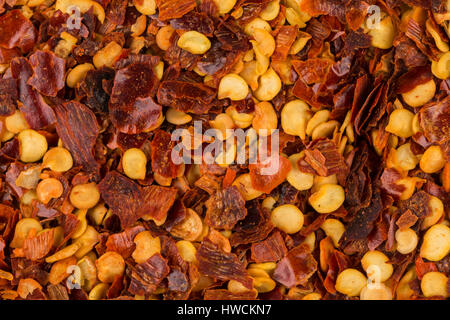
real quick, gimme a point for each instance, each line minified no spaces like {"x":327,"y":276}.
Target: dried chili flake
{"x":296,"y":268}
{"x":38,"y":246}
{"x":267,"y":175}
{"x":221,"y":265}
{"x":285,"y":39}
{"x":162,"y":146}
{"x":149,"y":274}
{"x":78,"y":129}
{"x":17,"y":31}
{"x":172,"y":9}
{"x":122,"y":242}
{"x":48,"y":73}
{"x":270,"y":250}
{"x":225,"y":208}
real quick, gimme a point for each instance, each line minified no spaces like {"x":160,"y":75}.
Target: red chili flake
{"x":221,"y":265}
{"x":418,"y":204}
{"x":285,"y":39}
{"x":132,"y":108}
{"x":208,"y":183}
{"x":48,"y":73}
{"x":225,"y":208}
{"x":319,"y":7}
{"x":325,"y":158}
{"x":388,"y":183}
{"x":263,"y":176}
{"x":172,"y":9}
{"x":122,"y":242}
{"x":37,"y":113}
{"x":78,"y":129}
{"x":38,"y":246}
{"x":435,"y":121}
{"x":162,"y":163}
{"x":232,"y":37}
{"x":186,"y":96}
{"x":255,"y":227}
{"x":8,"y":217}
{"x":230,"y":175}
{"x":146,"y":276}
{"x":116,"y":287}
{"x":423,"y":267}
{"x":380,"y":233}
{"x":17,"y":31}
{"x":406,"y":220}
{"x":130,"y":202}
{"x":222,"y":294}
{"x":296,"y":268}
{"x":270,"y":250}
{"x":6,"y":55}
{"x":199,"y":22}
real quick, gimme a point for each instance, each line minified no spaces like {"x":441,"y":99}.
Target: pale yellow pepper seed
{"x":163,"y":37}
{"x":194,"y":42}
{"x":48,"y":189}
{"x":146,"y":7}
{"x":328,"y":198}
{"x":377,"y":292}
{"x":77,"y":74}
{"x":176,"y":117}
{"x":298,"y":179}
{"x":436,"y":243}
{"x":269,"y":86}
{"x":407,"y":240}
{"x":334,"y":229}
{"x":23,"y":227}
{"x":350,"y":282}
{"x":224,"y":6}
{"x":109,"y":266}
{"x":33,"y":145}
{"x":432,"y":160}
{"x":107,"y":56}
{"x":187,"y":250}
{"x":146,"y":246}
{"x":232,"y":86}
{"x":400,"y":123}
{"x":382,"y":33}
{"x":134,"y":163}
{"x":58,"y":159}
{"x":437,"y":211}
{"x":376,"y":265}
{"x":287,"y":218}
{"x":434,"y":284}
{"x":421,"y":94}
{"x":84,"y":196}
{"x":16,"y":122}
{"x":294,"y":118}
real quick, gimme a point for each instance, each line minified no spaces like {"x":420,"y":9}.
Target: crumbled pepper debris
{"x":98,"y":201}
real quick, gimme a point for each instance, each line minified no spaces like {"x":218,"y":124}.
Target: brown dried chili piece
{"x":196,"y":21}
{"x":418,"y":204}
{"x":6,"y":55}
{"x":172,"y":9}
{"x":96,"y":97}
{"x":255,"y":227}
{"x":296,"y":268}
{"x":232,"y":37}
{"x":16,"y":31}
{"x":185,"y":96}
{"x":48,"y":73}
{"x":57,"y":292}
{"x":423,"y":267}
{"x":208,"y":183}
{"x":406,"y":220}
{"x":270,"y":250}
{"x":225,"y":208}
{"x":116,"y":287}
{"x":36,"y":111}
{"x":325,"y":158}
{"x":78,"y":129}
{"x":130,"y":202}
{"x":215,"y":263}
{"x":132,"y":108}
{"x":388,"y":183}
{"x":178,"y":281}
{"x":9,"y":95}
{"x":363,"y":223}
{"x":222,"y":294}
{"x":8,"y":218}
{"x":435,"y":121}
{"x":380,"y":232}
{"x":149,"y":274}
{"x":122,"y":242}
{"x":267,"y":175}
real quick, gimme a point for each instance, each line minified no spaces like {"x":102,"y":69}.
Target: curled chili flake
{"x":186,"y":96}
{"x":296,"y":268}
{"x":78,"y":129}
{"x":215,"y":263}
{"x":270,"y":250}
{"x":16,"y":31}
{"x":36,"y":111}
{"x":39,"y":246}
{"x":172,"y":9}
{"x":149,"y":274}
{"x":48,"y":73}
{"x":225,"y":208}
{"x":122,"y":242}
{"x":129,"y":201}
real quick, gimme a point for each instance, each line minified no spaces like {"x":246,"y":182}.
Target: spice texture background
{"x":94,"y":205}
